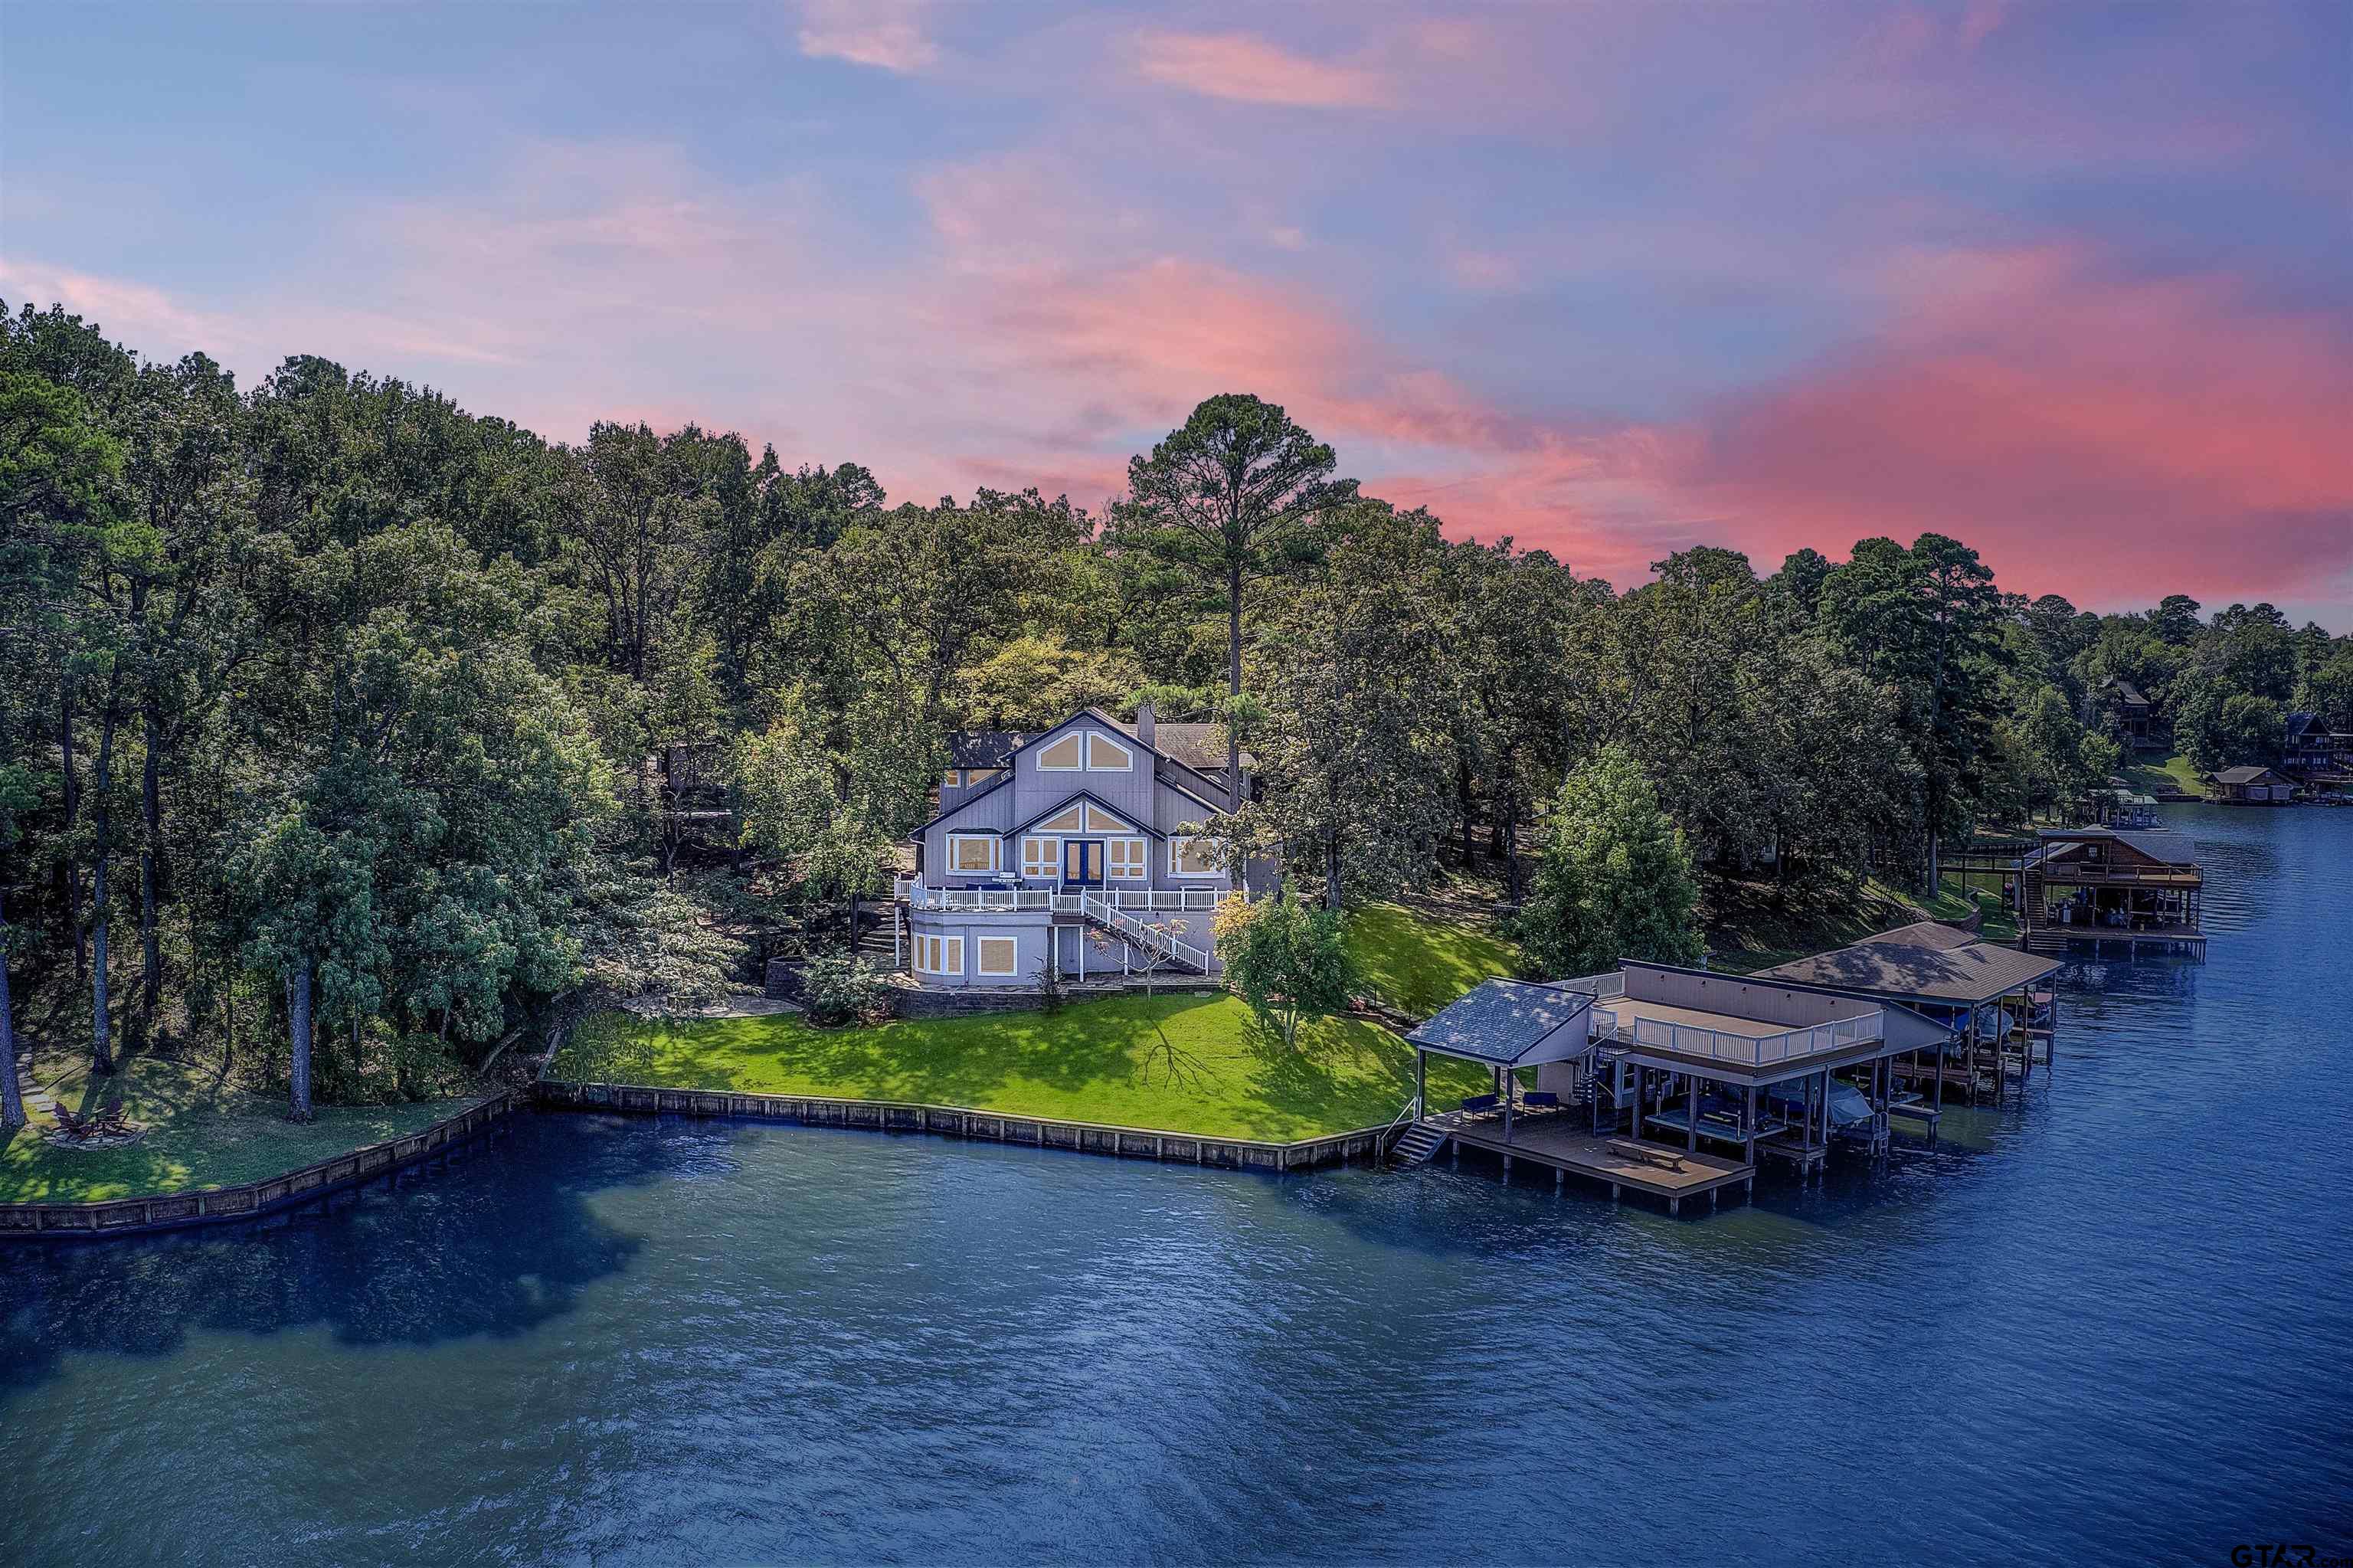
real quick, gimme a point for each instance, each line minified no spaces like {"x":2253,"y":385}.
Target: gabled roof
{"x":2128,"y":691}
{"x":1933,"y":933}
{"x":2168,"y":849}
{"x":2247,"y":775}
{"x":1505,"y":1022}
{"x":1087,"y":797}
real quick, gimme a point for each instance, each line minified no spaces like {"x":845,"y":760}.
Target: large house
{"x":1080,"y":849}
{"x":2311,"y":751}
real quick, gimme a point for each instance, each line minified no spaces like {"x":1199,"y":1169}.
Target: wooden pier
{"x":1553,"y":1140}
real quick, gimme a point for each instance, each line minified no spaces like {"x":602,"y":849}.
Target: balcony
{"x":1715,"y":1037}
{"x":915,"y":895}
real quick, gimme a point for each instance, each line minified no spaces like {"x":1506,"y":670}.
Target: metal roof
{"x":1503,"y":1020}
{"x":2245,"y":775}
{"x":2166,"y":848}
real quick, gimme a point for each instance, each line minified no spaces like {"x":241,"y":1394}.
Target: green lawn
{"x":2174,"y":773}
{"x":1180,"y":1064}
{"x":1417,"y":963}
{"x":199,"y":1133}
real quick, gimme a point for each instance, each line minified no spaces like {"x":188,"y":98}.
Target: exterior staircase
{"x":1162,"y":944}
{"x":1417,"y":1146}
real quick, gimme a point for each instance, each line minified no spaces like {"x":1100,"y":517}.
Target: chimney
{"x":1145,"y":723}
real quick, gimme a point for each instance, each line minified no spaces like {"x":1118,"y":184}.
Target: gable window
{"x":1067,"y":755}
{"x":976,"y":776}
{"x":997,"y":955}
{"x":1070,"y":821}
{"x":972,"y":855}
{"x":939,"y":954}
{"x":1042,"y":859}
{"x":1105,"y":755}
{"x":1104,"y":823}
{"x":1192,"y":857}
{"x":1126,"y":859}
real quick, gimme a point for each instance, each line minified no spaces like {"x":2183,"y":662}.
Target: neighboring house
{"x":2252,"y":787}
{"x":2134,"y":712}
{"x":1078,"y":848}
{"x":2312,"y":750}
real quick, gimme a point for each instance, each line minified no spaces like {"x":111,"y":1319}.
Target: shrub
{"x":1286,"y":959}
{"x":839,"y":989}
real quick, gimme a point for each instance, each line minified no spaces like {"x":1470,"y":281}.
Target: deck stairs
{"x":1417,"y":1146}
{"x":1154,"y":939}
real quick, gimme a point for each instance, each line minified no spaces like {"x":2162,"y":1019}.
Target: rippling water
{"x":2112,"y":1323}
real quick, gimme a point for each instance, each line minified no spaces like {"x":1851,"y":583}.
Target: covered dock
{"x":1997,"y":1001}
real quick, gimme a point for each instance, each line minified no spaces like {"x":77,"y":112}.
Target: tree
{"x":1355,"y":749}
{"x":1287,"y":959}
{"x":16,"y":795}
{"x":1616,"y":880}
{"x":1928,"y":621}
{"x":1228,"y":497}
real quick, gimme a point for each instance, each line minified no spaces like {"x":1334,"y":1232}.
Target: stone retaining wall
{"x":955,"y":1121}
{"x":219,"y":1206}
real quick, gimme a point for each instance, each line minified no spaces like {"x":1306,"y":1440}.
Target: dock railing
{"x":1740,"y":1049}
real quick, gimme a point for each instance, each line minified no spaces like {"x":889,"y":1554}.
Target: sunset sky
{"x":2069,"y":281}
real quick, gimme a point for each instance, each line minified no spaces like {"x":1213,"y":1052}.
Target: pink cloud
{"x":2110,"y":437}
{"x":1249,"y":70}
{"x":888,"y":35}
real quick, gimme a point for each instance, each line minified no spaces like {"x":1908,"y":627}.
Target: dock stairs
{"x":1417,"y":1146}
{"x":1166,"y":945}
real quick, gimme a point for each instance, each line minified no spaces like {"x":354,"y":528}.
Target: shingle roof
{"x":1200,"y":747}
{"x":2168,"y":849}
{"x":1924,"y":934}
{"x":2128,"y":691}
{"x":985,"y":747}
{"x":2242,"y":775}
{"x":1501,"y":1020}
{"x":1970,"y":972}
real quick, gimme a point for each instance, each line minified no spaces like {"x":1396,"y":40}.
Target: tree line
{"x":339,"y":727}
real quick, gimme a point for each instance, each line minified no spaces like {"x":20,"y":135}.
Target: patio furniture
{"x":1480,"y":1102}
{"x":1539,"y":1099}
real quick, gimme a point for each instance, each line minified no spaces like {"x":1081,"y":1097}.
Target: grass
{"x":1178,"y":1064}
{"x":2174,"y":773}
{"x":1418,"y":962}
{"x":200,"y":1133}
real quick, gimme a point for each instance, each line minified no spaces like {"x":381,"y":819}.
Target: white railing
{"x":1743,"y":1050}
{"x":1152,"y":939}
{"x":1612,"y":984}
{"x":1151,"y":901}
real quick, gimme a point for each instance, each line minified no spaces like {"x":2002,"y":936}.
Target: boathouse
{"x":2106,"y":887}
{"x":1997,"y":1001}
{"x":2252,"y":787}
{"x":1677,"y":1084}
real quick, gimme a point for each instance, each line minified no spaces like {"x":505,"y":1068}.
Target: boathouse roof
{"x":1506,"y":1022}
{"x":2168,"y":849}
{"x":1967,"y":972}
{"x":2248,"y":775}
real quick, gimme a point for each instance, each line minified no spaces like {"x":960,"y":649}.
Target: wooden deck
{"x":1560,"y":1141}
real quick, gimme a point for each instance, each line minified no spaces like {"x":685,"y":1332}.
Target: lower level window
{"x":939,"y":954}
{"x":999,"y":955}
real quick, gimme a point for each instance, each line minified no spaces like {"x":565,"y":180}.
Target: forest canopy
{"x":340,"y":720}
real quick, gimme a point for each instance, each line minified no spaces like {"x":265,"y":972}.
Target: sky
{"x":2068,"y":281}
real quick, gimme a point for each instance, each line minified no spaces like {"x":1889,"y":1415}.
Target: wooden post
{"x":1691,"y":1116}
{"x":1420,"y":1082}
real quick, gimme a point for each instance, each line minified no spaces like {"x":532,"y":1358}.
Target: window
{"x":978,"y":776}
{"x":1103,"y":822}
{"x":1042,"y":859}
{"x":972,"y":853}
{"x":1192,"y":857}
{"x":999,"y":955}
{"x":1063,"y":822}
{"x":1105,"y":755}
{"x":939,"y":954}
{"x":1065,"y":755}
{"x":950,"y":779}
{"x":1127,"y":860}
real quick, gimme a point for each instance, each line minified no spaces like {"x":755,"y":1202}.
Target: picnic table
{"x":1649,"y":1153}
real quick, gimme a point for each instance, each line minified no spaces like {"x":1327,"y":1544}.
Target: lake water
{"x":2113,"y":1323}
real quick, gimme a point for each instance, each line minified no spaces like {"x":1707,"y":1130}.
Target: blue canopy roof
{"x":1510,"y":1023}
